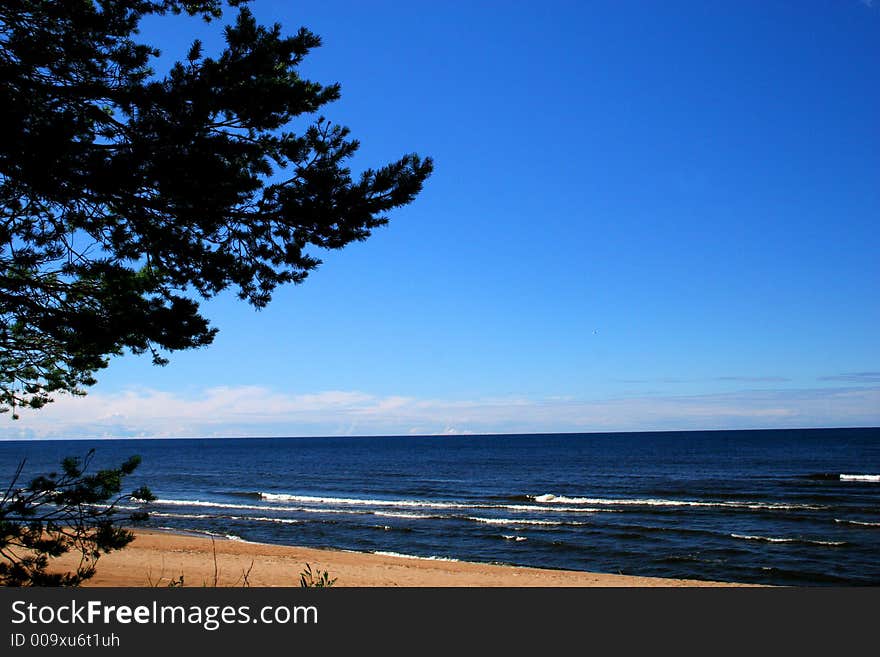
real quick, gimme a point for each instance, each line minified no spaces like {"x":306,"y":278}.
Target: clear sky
{"x":644,"y":215}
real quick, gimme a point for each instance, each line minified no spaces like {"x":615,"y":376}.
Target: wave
{"x":219,"y":505}
{"x":872,"y":478}
{"x":805,"y":541}
{"x":204,"y":532}
{"x":203,"y":516}
{"x":514,"y":521}
{"x":522,"y":521}
{"x":549,"y":498}
{"x":250,"y":507}
{"x":411,"y":556}
{"x":187,"y":516}
{"x":861,"y":523}
{"x":511,"y":537}
{"x":550,"y":509}
{"x":834,"y":476}
{"x":408,"y":516}
{"x":383,"y":514}
{"x":423,"y":504}
{"x":311,"y":499}
{"x":280,"y":521}
{"x":390,"y":514}
{"x":547,"y":503}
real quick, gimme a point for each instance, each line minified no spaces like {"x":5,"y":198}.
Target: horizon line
{"x":442,"y":435}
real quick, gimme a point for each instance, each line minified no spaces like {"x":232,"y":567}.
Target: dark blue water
{"x":749,"y":506}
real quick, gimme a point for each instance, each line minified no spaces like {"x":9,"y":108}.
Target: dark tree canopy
{"x":125,"y":197}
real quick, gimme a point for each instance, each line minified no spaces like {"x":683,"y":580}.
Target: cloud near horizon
{"x":754,"y":379}
{"x":257,"y":411}
{"x":854,"y":377}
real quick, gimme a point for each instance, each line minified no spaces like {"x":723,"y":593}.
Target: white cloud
{"x":257,"y":411}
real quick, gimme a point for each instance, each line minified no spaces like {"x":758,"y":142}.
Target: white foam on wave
{"x":204,"y":532}
{"x":423,"y":504}
{"x":872,"y":478}
{"x":201,"y":516}
{"x":774,"y":506}
{"x":770,"y":539}
{"x":767,"y":539}
{"x":521,"y":521}
{"x":280,"y":521}
{"x":862,"y":523}
{"x":311,"y":499}
{"x":187,"y":516}
{"x":550,"y":509}
{"x":250,"y":507}
{"x":511,"y":537}
{"x":219,"y":505}
{"x":410,"y":556}
{"x":409,"y":516}
{"x":381,"y":513}
{"x":298,"y":509}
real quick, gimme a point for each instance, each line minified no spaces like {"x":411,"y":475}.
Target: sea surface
{"x":791,"y":507}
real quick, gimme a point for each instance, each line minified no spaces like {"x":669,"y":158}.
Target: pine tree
{"x":127,"y":197}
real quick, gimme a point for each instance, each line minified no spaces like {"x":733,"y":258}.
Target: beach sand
{"x":155,"y":558}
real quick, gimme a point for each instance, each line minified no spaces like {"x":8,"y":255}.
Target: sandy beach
{"x":155,"y":558}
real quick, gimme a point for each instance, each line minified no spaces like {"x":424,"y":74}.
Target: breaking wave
{"x":201,"y":516}
{"x":421,"y":504}
{"x":385,"y":553}
{"x":804,"y":541}
{"x":549,"y":498}
{"x":834,"y":476}
{"x":250,"y":507}
{"x":871,"y":478}
{"x":522,"y":521}
{"x":861,"y":523}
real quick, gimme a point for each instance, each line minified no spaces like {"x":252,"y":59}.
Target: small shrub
{"x":315,"y":579}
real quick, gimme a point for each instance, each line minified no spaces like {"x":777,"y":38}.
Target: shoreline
{"x":157,"y":557}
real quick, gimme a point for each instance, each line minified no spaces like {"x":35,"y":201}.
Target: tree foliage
{"x":126,"y":196}
{"x":61,"y":512}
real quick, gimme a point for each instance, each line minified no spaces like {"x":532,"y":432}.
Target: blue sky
{"x":650,"y":215}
